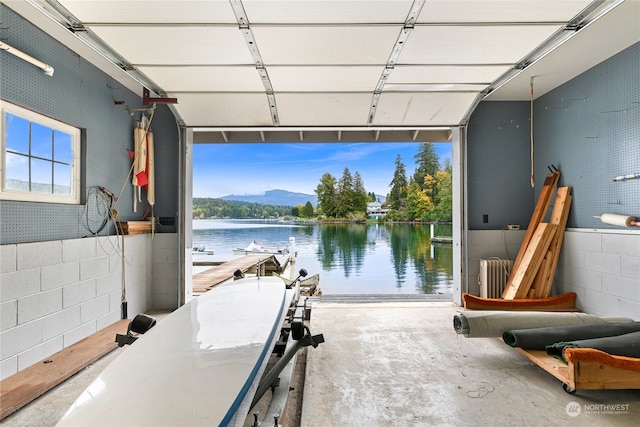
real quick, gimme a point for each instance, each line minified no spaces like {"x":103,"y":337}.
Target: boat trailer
{"x":294,"y":335}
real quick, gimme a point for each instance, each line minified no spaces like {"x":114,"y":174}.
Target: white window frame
{"x":32,"y":196}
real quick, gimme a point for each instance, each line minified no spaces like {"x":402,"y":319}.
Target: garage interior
{"x":474,"y":73}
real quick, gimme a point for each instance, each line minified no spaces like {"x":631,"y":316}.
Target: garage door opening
{"x":233,"y":182}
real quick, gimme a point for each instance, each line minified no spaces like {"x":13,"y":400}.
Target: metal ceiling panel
{"x":160,"y":45}
{"x":317,"y":45}
{"x":205,"y":78}
{"x":223,"y":109}
{"x":327,"y":11}
{"x":521,"y":11}
{"x":598,"y":41}
{"x":323,"y":109}
{"x":151,"y":11}
{"x":325,"y":79}
{"x":422,"y":109}
{"x":482,"y":45}
{"x":446,"y":73}
{"x":433,"y":87}
{"x":340,"y":64}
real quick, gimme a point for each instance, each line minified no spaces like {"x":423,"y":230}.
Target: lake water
{"x":350,"y":258}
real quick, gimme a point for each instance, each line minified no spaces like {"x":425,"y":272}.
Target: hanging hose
{"x":531,"y":132}
{"x":103,"y":202}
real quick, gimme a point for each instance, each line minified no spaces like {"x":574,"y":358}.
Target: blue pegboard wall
{"x":81,"y":95}
{"x":590,"y":129}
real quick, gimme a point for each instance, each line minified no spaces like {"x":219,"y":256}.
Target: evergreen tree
{"x":327,"y":192}
{"x":428,"y":163}
{"x":345,"y":196}
{"x":307,"y":210}
{"x":359,"y":193}
{"x":295,"y":211}
{"x":397,"y":197}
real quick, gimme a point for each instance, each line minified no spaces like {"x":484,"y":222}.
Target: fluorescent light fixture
{"x":48,"y":69}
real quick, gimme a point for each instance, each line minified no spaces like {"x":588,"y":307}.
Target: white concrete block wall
{"x":603,"y":268}
{"x":53,"y":294}
{"x":165,"y":271}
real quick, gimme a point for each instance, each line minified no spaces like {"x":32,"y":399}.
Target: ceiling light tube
{"x":48,"y":69}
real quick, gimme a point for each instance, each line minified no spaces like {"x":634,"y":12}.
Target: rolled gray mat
{"x":539,"y":338}
{"x":621,"y":345}
{"x":488,"y":323}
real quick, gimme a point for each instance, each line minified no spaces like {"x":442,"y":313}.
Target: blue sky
{"x":242,"y":169}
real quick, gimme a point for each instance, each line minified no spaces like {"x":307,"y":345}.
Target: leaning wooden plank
{"x":541,"y":275}
{"x":524,"y":275}
{"x":563,"y":205}
{"x":538,"y":216}
{"x":32,"y":382}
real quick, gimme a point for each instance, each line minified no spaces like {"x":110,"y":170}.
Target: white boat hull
{"x":196,"y":367}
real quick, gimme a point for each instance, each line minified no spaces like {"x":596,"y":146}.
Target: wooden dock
{"x":205,"y":280}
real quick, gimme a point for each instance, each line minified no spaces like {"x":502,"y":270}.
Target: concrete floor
{"x":402,"y":364}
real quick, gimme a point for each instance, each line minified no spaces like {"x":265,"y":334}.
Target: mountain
{"x":276,"y":197}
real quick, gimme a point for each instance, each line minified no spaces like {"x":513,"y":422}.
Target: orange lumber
{"x":523,"y":277}
{"x":538,"y":216}
{"x":559,"y":216}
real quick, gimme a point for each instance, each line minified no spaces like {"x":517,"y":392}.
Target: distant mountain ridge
{"x":276,"y":197}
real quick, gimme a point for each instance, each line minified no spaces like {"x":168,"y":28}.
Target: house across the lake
{"x":375,"y":210}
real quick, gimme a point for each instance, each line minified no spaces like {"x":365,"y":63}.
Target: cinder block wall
{"x":53,"y":294}
{"x":603,"y":268}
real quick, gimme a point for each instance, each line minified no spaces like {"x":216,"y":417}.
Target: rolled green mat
{"x":539,"y":338}
{"x":489,"y":323}
{"x":621,"y":345}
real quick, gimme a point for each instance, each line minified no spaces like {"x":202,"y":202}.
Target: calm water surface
{"x":350,"y":258}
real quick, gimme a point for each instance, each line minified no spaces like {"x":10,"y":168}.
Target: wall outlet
{"x":513,"y":227}
{"x":167,"y":220}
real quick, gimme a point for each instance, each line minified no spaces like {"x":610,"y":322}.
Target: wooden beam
{"x":522,"y":278}
{"x":559,"y":216}
{"x":538,"y":216}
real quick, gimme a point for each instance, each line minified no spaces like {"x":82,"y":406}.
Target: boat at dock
{"x":202,"y":250}
{"x":258,"y":248}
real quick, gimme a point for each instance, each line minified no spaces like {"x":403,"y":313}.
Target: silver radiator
{"x":493,"y":277}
